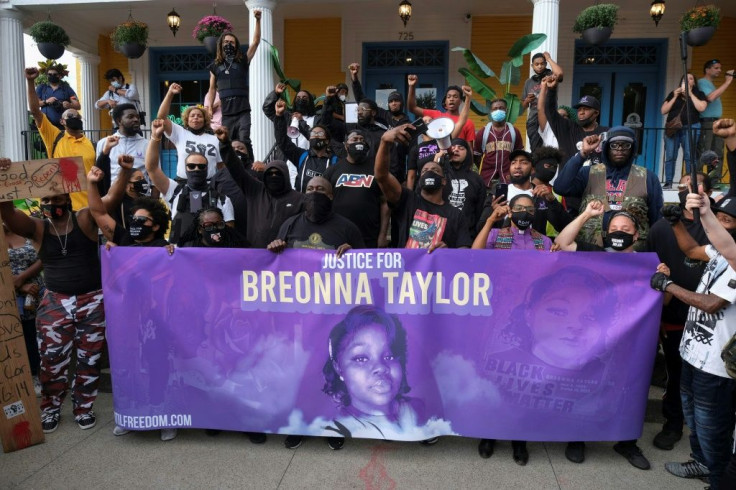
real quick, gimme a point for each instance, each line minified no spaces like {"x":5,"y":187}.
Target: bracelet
{"x":155,"y":139}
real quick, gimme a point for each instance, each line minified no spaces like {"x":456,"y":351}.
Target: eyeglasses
{"x":209,"y":227}
{"x":139,"y":220}
{"x":52,"y":74}
{"x":620,"y":145}
{"x":196,"y":166}
{"x":520,"y":209}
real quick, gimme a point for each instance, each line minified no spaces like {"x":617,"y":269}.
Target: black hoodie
{"x":465,"y":189}
{"x":258,"y":213}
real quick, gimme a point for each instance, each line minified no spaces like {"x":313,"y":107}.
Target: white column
{"x":546,"y":19}
{"x":13,"y":108}
{"x":90,"y":90}
{"x":261,"y":77}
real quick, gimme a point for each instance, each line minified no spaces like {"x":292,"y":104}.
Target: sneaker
{"x":691,"y":469}
{"x":335,"y":443}
{"x":485,"y":448}
{"x":37,"y":385}
{"x":168,"y":434}
{"x":430,"y":442}
{"x":86,"y":420}
{"x":633,"y":455}
{"x":575,"y":452}
{"x":667,"y":185}
{"x":666,"y":439}
{"x":256,"y":437}
{"x":293,"y":442}
{"x":520,"y":453}
{"x":119,"y":431}
{"x":50,"y":421}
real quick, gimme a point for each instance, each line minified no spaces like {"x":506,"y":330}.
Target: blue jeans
{"x":707,"y":404}
{"x":672,"y":146}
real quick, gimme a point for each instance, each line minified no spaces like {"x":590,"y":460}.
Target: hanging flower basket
{"x":700,"y":23}
{"x":130,"y":38}
{"x":210,"y":42}
{"x":132,"y":50}
{"x":50,"y":38}
{"x":51,"y":51}
{"x":595,"y":23}
{"x":596,"y":35}
{"x":211,"y":26}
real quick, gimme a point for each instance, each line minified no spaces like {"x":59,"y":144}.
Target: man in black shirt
{"x":425,"y":219}
{"x":318,"y":227}
{"x":356,"y":193}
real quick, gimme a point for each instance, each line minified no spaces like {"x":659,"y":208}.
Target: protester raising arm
{"x":390,"y":186}
{"x":165,"y":107}
{"x":573,"y":176}
{"x":726,"y":129}
{"x":411,"y":98}
{"x":717,"y":234}
{"x":464,"y":112}
{"x":685,"y":242}
{"x":256,"y":36}
{"x":292,"y":152}
{"x":33,"y":103}
{"x":158,"y":177}
{"x":566,"y":239}
{"x":96,"y":207}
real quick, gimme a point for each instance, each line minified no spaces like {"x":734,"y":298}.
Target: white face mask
{"x":342,"y":97}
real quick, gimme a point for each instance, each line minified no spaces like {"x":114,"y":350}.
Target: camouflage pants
{"x":65,"y":322}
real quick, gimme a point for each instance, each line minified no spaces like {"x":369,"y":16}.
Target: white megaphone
{"x":292,"y":132}
{"x":441,"y":130}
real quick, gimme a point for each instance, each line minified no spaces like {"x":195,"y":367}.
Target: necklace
{"x":66,"y":236}
{"x":228,"y":65}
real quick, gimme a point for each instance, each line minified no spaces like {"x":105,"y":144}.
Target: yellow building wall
{"x":311,"y":43}
{"x":108,"y":59}
{"x":721,"y":47}
{"x":493,"y":49}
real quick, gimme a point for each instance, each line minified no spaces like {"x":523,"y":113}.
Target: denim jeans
{"x":672,"y":146}
{"x":707,"y":404}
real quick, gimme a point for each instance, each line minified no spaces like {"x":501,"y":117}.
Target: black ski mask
{"x":317,"y":207}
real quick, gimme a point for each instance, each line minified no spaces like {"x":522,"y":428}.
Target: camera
{"x":58,"y":105}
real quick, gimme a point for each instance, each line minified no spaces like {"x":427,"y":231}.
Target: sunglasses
{"x":139,"y":219}
{"x":196,"y":166}
{"x":620,"y":145}
{"x":210,"y":227}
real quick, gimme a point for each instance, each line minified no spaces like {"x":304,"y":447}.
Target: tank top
{"x":78,"y":271}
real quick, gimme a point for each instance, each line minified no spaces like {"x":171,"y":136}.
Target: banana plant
{"x":293,"y":83}
{"x":477,"y":71}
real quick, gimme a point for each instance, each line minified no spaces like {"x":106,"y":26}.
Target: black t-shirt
{"x":567,"y":132}
{"x":299,"y":232}
{"x":357,"y":197}
{"x":684,"y":271}
{"x":692,"y":113}
{"x":422,"y":223}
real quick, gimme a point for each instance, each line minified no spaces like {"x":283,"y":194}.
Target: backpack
{"x":487,"y":131}
{"x":184,"y":217}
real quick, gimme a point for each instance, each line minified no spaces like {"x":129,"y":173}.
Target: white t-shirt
{"x":548,"y":136}
{"x":187,"y":142}
{"x":705,"y":334}
{"x":515,"y":191}
{"x":226,"y":207}
{"x":128,"y":145}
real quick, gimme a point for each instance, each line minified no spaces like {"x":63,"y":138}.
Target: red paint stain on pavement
{"x":374,"y":473}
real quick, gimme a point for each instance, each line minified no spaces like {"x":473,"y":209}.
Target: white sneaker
{"x":37,"y":385}
{"x":168,"y":434}
{"x":119,"y":431}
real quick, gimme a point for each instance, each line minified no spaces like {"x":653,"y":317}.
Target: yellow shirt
{"x":69,"y":146}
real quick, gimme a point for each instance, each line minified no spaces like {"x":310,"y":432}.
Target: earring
{"x":342,"y":379}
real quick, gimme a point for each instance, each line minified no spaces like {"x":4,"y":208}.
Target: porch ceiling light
{"x":174,"y":21}
{"x":657,"y":11}
{"x":405,"y":11}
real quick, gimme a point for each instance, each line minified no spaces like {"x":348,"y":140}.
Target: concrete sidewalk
{"x":95,"y":458}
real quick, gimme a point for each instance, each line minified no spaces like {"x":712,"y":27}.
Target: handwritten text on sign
{"x":40,"y":178}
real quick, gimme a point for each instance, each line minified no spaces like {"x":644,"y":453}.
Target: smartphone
{"x":501,"y":190}
{"x":420,"y":128}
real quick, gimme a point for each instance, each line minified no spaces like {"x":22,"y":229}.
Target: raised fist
{"x":412,"y":80}
{"x":31,"y":73}
{"x":280,"y":107}
{"x":95,"y":175}
{"x":222,"y":134}
{"x":672,"y":213}
{"x":126,"y":161}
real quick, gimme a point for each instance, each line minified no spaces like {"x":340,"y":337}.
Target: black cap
{"x":588,"y":101}
{"x":516,"y":153}
{"x":728,"y":206}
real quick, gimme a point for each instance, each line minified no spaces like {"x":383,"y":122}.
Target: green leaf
{"x":518,"y":61}
{"x":480,"y":69}
{"x":478,"y":108}
{"x":510,"y":74}
{"x":277,"y":63}
{"x":513,"y":107}
{"x":526,"y":44}
{"x":478,"y":86}
{"x":320,"y":99}
{"x":293,"y":83}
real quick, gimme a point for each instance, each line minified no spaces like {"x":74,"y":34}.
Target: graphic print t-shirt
{"x":422,"y":223}
{"x":705,"y":334}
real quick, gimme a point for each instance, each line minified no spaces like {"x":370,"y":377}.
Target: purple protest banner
{"x":398,"y":344}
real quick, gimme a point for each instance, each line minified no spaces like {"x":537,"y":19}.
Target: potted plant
{"x":209,"y":29}
{"x":130,"y":38}
{"x":51,"y":39}
{"x":700,"y":23}
{"x":44,"y":66}
{"x":596,"y":22}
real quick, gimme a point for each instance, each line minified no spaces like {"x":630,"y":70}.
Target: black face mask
{"x":74,"y":123}
{"x":138,"y":229}
{"x":214,"y":238}
{"x":518,"y":180}
{"x":274,"y":183}
{"x":197,"y":179}
{"x":545,"y":174}
{"x":618,"y":240}
{"x":586,"y":122}
{"x":431,"y":181}
{"x":301,"y":106}
{"x":52,"y":211}
{"x":317,"y":207}
{"x":54,"y":78}
{"x":243,"y":157}
{"x":522,"y":219}
{"x":358,"y":151}
{"x":141,"y":187}
{"x":229,"y":50}
{"x":317,"y":144}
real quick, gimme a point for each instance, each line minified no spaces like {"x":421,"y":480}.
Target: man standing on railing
{"x":127,"y":141}
{"x":69,"y":142}
{"x":712,"y":70}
